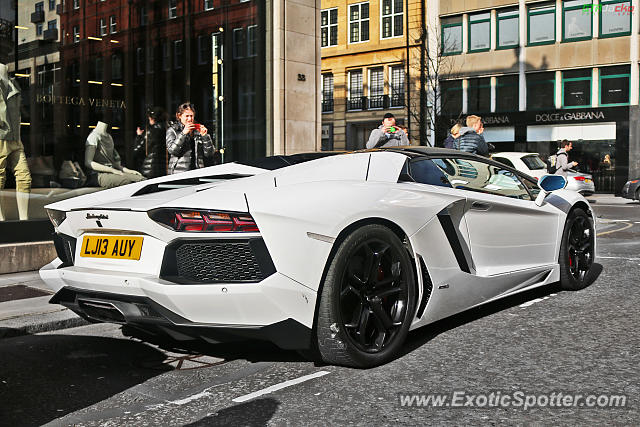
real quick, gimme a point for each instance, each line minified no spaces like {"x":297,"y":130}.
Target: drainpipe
{"x":423,"y":82}
{"x":406,"y":15}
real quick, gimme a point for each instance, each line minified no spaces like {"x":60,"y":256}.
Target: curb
{"x":25,"y":325}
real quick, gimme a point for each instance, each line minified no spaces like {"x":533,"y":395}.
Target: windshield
{"x":533,"y":162}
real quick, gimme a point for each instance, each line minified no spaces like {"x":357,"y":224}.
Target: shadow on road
{"x":44,"y":377}
{"x":254,"y":413}
{"x":421,"y":336}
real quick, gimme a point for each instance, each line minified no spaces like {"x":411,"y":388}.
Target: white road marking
{"x":190,"y":398}
{"x":528,"y":303}
{"x":619,"y":257}
{"x":279,"y":386}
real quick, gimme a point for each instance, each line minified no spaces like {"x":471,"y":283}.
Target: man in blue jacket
{"x":471,"y":140}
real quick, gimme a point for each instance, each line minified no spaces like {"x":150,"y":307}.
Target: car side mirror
{"x":549,"y":184}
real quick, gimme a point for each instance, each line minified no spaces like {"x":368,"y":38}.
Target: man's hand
{"x":139,"y":131}
{"x":117,"y":172}
{"x":574,"y":164}
{"x":203,"y":130}
{"x":188,"y":128}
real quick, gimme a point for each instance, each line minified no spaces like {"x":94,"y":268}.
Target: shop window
{"x":113,"y":27}
{"x":327,"y":93}
{"x":576,"y":88}
{"x":541,"y":90}
{"x":615,"y":18}
{"x":208,"y":4}
{"x":329,"y":27}
{"x":507,"y":93}
{"x":359,"y":22}
{"x":451,"y":35}
{"x":451,"y":97}
{"x":541,"y":26}
{"x":508,"y":28}
{"x":576,"y":20}
{"x":173,"y":9}
{"x":614,"y":85}
{"x":480,"y":32}
{"x":103,"y":27}
{"x":356,"y":90}
{"x":479,"y":95}
{"x":392,"y":18}
{"x":238,"y":43}
{"x":397,"y":86}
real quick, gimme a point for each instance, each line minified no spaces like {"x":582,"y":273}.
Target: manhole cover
{"x":15,"y":292}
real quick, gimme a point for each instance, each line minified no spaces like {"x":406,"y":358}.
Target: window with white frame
{"x":238,"y":43}
{"x":177,"y":54}
{"x":397,"y":86}
{"x":252,"y":40}
{"x":392,"y":18}
{"x":376,"y":87}
{"x":112,"y":24}
{"x":116,"y":66}
{"x":327,"y":92}
{"x":359,"y":22}
{"x":173,"y":9}
{"x":150,"y":62}
{"x":451,"y":35}
{"x":103,"y":27}
{"x":246,"y":104}
{"x":39,"y":29}
{"x":76,"y":34}
{"x":480,"y":32}
{"x":356,"y":90}
{"x":76,"y":4}
{"x":329,"y":27}
{"x":208,"y":4}
{"x":98,"y":76}
{"x":52,"y":4}
{"x":203,"y":50}
{"x":144,"y":16}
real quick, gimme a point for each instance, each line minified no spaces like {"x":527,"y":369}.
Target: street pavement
{"x":534,"y":344}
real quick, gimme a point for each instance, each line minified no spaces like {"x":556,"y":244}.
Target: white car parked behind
{"x":531,"y":164}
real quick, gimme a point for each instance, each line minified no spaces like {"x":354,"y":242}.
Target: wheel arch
{"x":402,"y":235}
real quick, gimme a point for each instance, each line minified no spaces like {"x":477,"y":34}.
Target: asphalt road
{"x":543,"y":342}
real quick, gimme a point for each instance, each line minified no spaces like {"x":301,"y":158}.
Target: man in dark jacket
{"x":471,"y":140}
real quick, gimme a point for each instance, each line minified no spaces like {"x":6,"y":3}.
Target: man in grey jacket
{"x":387,"y":134}
{"x":562,"y":158}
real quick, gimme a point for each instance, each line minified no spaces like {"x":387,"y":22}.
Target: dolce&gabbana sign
{"x":569,"y":116}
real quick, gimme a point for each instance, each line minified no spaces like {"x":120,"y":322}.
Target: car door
{"x":507,"y":231}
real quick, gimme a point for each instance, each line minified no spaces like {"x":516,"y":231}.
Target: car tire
{"x":638,"y":194}
{"x":576,"y":250}
{"x":364,"y":318}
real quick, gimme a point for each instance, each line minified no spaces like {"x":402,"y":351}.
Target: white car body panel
{"x":301,"y":211}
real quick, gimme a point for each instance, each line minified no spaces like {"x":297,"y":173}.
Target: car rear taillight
{"x":579,"y":178}
{"x":204,"y":220}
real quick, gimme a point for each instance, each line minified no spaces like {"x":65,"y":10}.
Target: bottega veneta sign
{"x":78,"y":100}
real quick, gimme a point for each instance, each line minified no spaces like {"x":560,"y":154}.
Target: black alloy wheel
{"x":577,"y":250}
{"x":368,"y":299}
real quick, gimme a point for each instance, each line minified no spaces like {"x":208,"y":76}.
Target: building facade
{"x":370,"y":66}
{"x":251,"y":68}
{"x":542,"y":71}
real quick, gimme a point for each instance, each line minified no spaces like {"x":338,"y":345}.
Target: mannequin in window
{"x":103,"y":161}
{"x":11,"y":149}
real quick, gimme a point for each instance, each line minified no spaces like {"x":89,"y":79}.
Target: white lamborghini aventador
{"x":341,"y":255}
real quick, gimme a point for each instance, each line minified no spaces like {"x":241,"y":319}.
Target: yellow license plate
{"x":118,"y":247}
